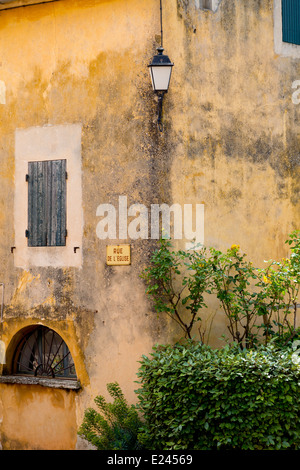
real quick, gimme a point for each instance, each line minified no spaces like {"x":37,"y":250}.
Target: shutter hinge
{"x":66,"y":175}
{"x":27,"y":177}
{"x":66,"y":233}
{"x":27,"y":233}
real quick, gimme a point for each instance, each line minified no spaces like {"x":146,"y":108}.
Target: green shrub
{"x":194,"y":397}
{"x":115,"y":427}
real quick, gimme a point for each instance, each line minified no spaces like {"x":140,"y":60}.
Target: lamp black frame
{"x":160,"y":60}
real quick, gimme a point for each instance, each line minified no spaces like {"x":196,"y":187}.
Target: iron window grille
{"x":43,"y":353}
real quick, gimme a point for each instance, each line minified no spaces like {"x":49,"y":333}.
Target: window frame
{"x":55,"y":142}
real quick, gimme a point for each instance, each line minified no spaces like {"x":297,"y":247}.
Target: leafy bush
{"x":115,"y":427}
{"x":194,"y":397}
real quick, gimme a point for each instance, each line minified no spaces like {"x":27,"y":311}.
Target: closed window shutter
{"x":47,"y":203}
{"x":291,"y":21}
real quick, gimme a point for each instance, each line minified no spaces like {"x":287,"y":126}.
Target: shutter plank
{"x":36,"y":204}
{"x":31,"y":203}
{"x":58,"y":203}
{"x":41,"y":205}
{"x":63,"y":206}
{"x":52,"y":222}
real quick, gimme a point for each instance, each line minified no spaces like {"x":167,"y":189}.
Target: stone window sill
{"x":68,"y":384}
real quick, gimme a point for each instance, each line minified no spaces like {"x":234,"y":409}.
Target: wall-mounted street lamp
{"x":160,"y":72}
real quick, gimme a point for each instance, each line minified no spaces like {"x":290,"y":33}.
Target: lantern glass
{"x":160,"y":76}
{"x":160,"y":71}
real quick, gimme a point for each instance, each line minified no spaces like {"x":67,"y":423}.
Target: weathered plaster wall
{"x":236,"y":127}
{"x":84,"y":63}
{"x":37,"y":418}
{"x":238,"y":147}
{"x":230,"y":141}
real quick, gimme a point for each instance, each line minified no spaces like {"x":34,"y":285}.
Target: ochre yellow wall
{"x":37,"y":418}
{"x":230,"y":141}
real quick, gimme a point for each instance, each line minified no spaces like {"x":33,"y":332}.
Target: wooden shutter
{"x":47,"y":203}
{"x":291,"y":21}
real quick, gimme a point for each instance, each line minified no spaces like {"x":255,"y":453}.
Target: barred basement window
{"x":47,"y":203}
{"x":43,"y":353}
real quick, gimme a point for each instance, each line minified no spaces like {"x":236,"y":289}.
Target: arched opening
{"x":41,"y":352}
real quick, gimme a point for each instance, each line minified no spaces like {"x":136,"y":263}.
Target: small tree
{"x":280,"y":284}
{"x":177,"y":282}
{"x":251,"y":298}
{"x":233,"y":282}
{"x":117,"y":425}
